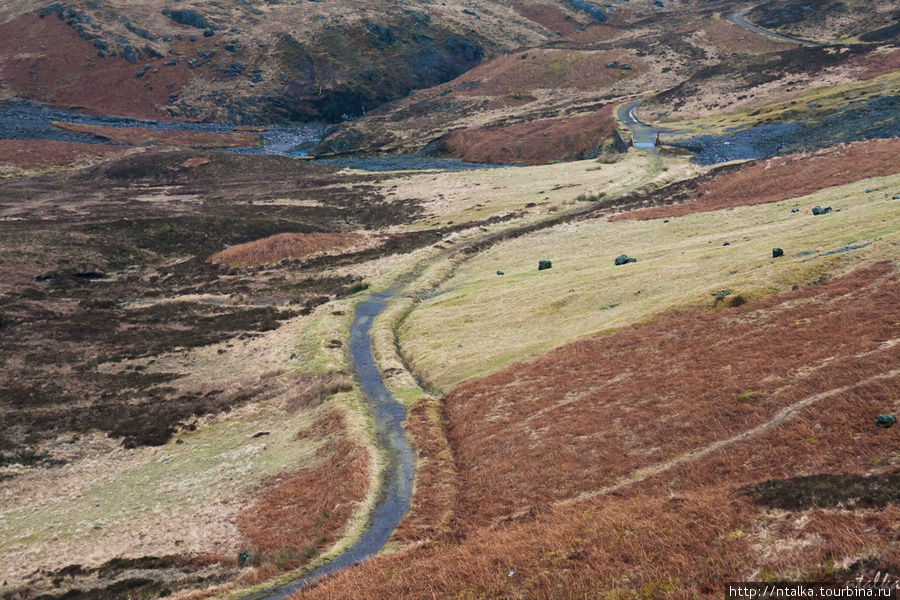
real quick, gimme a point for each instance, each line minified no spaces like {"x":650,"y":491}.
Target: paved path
{"x":397,"y":480}
{"x":738,"y":19}
{"x":644,"y":135}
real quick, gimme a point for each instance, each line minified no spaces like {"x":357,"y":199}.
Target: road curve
{"x":644,"y":136}
{"x":396,"y":492}
{"x":738,"y":19}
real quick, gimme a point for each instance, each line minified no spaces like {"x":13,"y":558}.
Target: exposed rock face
{"x":398,"y":59}
{"x":595,"y":13}
{"x":334,"y":70}
{"x":188,"y":17}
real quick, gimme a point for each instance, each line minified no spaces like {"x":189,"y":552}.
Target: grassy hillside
{"x":479,"y":321}
{"x":271,"y":61}
{"x":826,"y":21}
{"x":180,"y":413}
{"x":668,"y":460}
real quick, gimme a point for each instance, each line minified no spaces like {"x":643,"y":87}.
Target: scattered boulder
{"x":624,"y":259}
{"x":885,"y":421}
{"x":187,"y":17}
{"x":500,"y":273}
{"x":727,"y":244}
{"x":777,"y":252}
{"x":896,"y":198}
{"x":544,"y":264}
{"x":818,"y":210}
{"x":139,"y":73}
{"x":243,"y":558}
{"x":793,"y":210}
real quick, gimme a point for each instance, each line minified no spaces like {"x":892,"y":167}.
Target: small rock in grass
{"x":818,"y":210}
{"x":896,"y":198}
{"x":544,"y":264}
{"x":793,"y":210}
{"x":500,"y":273}
{"x":885,"y":421}
{"x":624,"y":259}
{"x":776,"y":252}
{"x":727,"y":244}
{"x":243,"y":558}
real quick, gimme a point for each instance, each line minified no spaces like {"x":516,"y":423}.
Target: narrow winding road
{"x":644,"y":136}
{"x":738,"y":19}
{"x":396,"y":486}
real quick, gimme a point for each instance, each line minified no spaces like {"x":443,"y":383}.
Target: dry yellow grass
{"x":479,"y":321}
{"x":459,"y":197}
{"x":181,"y":498}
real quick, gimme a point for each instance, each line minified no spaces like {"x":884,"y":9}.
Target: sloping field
{"x":450,"y":198}
{"x":479,"y":321}
{"x":588,"y":413}
{"x":298,"y":515}
{"x":781,"y":178}
{"x":45,"y":60}
{"x":534,"y":143}
{"x":141,"y":136}
{"x":549,"y":69}
{"x":629,"y":465}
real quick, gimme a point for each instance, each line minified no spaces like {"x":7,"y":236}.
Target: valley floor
{"x":568,"y":367}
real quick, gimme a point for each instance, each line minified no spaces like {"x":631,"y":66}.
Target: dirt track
{"x":738,"y":19}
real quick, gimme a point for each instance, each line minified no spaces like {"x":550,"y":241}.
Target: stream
{"x":396,"y":484}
